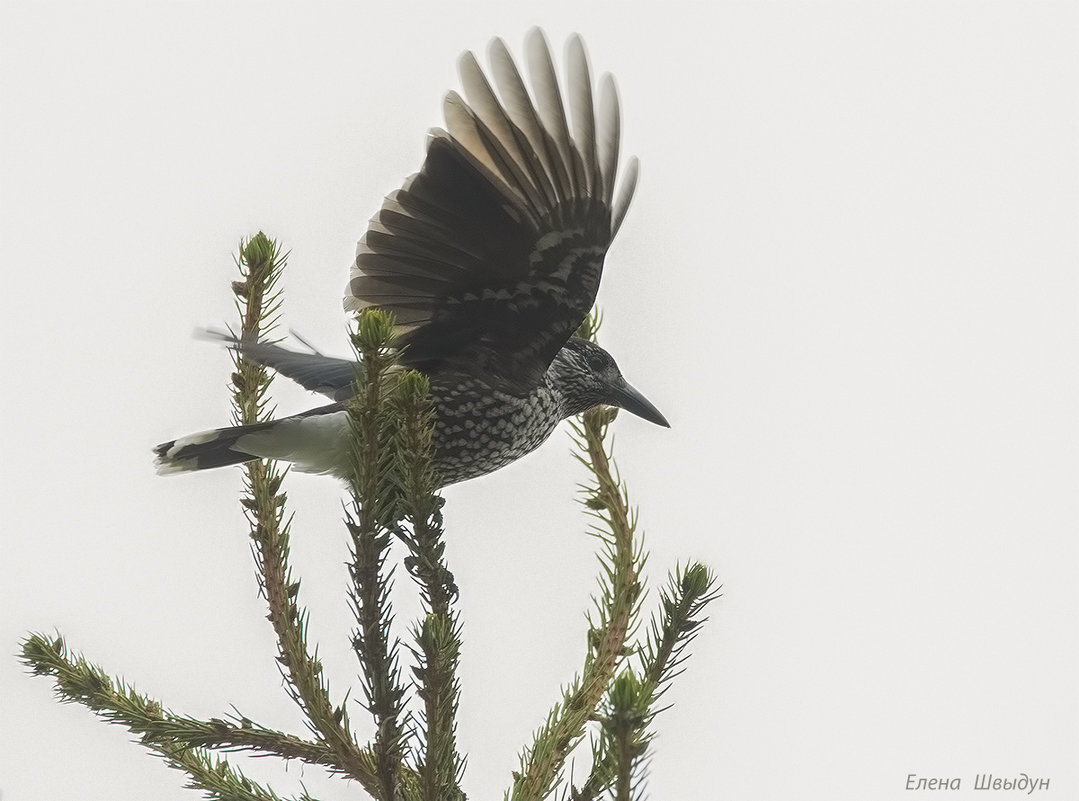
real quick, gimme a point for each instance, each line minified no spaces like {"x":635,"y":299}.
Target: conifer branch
{"x":622,"y":751}
{"x":258,"y":302}
{"x":78,"y":681}
{"x":437,"y":652}
{"x":241,"y":734}
{"x":370,"y":522}
{"x":394,"y":493}
{"x":625,"y":728}
{"x":621,"y":559}
{"x":261,"y":265}
{"x":689,"y":590}
{"x":421,"y":506}
{"x":438,"y":635}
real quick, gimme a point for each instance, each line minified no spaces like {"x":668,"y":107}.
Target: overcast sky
{"x":849,"y":279}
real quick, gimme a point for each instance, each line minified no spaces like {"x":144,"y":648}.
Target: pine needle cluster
{"x":412,"y":757}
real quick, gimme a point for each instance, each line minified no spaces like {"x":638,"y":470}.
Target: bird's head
{"x":586,"y":375}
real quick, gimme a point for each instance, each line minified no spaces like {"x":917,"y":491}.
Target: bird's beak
{"x":628,"y":398}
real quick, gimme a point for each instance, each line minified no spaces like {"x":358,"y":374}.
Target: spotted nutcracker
{"x":489,"y":259}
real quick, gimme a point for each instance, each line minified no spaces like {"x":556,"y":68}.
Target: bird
{"x":489,"y":259}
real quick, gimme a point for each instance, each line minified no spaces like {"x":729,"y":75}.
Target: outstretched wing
{"x":490,"y":257}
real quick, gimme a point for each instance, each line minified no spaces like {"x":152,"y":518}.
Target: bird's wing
{"x":490,"y":257}
{"x":326,"y":375}
{"x":323,"y":374}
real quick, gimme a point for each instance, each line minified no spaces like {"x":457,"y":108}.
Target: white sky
{"x":849,"y":279}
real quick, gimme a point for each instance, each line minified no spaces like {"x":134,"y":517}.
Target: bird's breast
{"x":479,"y":429}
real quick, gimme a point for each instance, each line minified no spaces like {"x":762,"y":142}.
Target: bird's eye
{"x":597,"y":361}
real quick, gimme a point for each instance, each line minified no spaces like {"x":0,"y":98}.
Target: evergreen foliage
{"x":394,"y":495}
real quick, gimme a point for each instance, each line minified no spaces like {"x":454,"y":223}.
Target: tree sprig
{"x":370,"y":521}
{"x":394,"y":490}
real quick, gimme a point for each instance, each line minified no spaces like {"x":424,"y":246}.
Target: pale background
{"x":849,"y":279}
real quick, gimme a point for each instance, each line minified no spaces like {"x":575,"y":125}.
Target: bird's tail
{"x":216,"y":448}
{"x":315,"y":441}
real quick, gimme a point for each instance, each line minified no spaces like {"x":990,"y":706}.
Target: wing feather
{"x":521,"y":160}
{"x":491,"y":255}
{"x":609,"y":134}
{"x":519,"y":106}
{"x":582,"y":107}
{"x":552,"y":113}
{"x":625,"y":194}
